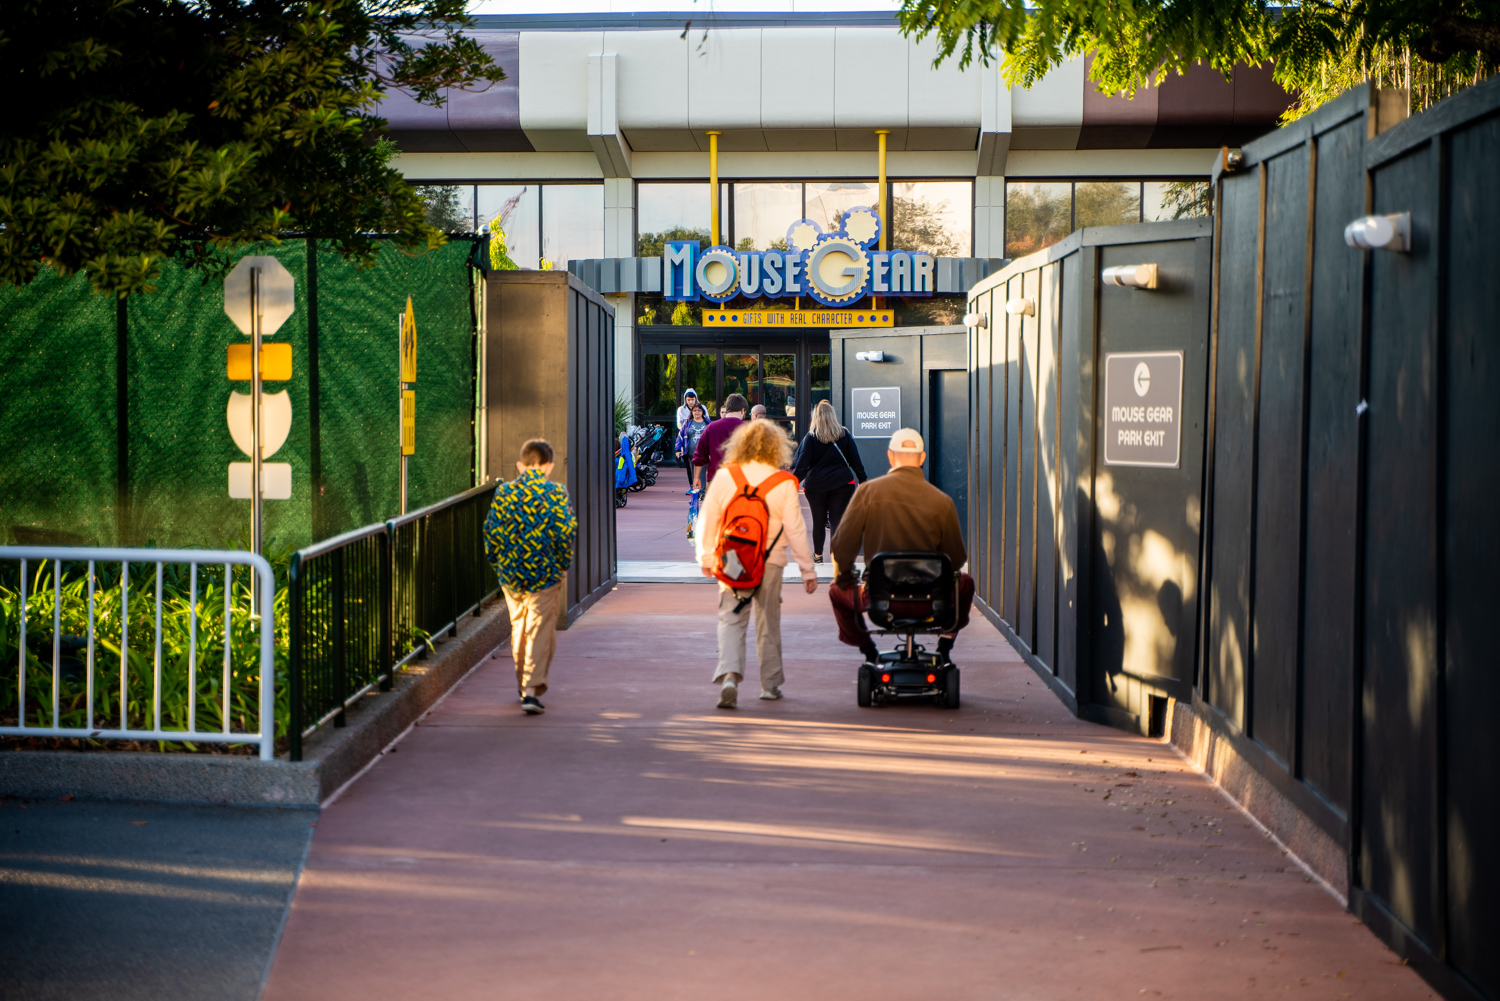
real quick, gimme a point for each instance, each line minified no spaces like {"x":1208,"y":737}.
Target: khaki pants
{"x":767,"y":607}
{"x":533,"y":633}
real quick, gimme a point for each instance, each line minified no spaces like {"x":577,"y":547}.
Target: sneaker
{"x":531,"y":705}
{"x":872,"y":656}
{"x":729,"y":694}
{"x":817,"y":557}
{"x":770,"y":693}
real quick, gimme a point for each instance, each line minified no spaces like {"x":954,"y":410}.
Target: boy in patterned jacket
{"x":528,"y":538}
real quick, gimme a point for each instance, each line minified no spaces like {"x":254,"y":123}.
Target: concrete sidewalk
{"x":635,"y":842}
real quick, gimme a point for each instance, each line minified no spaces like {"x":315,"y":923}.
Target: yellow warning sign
{"x":408,"y":422}
{"x":409,"y":344}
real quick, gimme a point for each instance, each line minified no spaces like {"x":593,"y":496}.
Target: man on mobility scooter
{"x":909,"y":532}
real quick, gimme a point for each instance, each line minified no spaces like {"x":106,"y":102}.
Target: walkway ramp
{"x":637,"y":843}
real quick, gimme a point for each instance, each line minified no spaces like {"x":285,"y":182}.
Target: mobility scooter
{"x":910,"y":594}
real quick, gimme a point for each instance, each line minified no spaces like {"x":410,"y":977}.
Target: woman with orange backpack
{"x":750,"y":518}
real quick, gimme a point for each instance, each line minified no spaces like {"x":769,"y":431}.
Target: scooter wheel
{"x":950,"y":689}
{"x":863,"y":695}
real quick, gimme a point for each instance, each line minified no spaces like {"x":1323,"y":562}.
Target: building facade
{"x":597,"y":144}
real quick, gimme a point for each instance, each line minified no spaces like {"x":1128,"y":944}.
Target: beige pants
{"x":533,"y":633}
{"x":767,"y":607}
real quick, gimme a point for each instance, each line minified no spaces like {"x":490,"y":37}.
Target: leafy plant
{"x":142,"y":130}
{"x":1318,"y":48}
{"x":624,"y":414}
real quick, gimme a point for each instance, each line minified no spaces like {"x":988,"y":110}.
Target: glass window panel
{"x":822,"y":381}
{"x":933,"y":216}
{"x":763,"y":213}
{"x":1164,"y":201}
{"x":780,"y":386}
{"x":827,"y":202}
{"x":1106,"y":203}
{"x":742,"y":375}
{"x":659,"y":388}
{"x":572,"y":223}
{"x":670,"y":212}
{"x":1037,"y":215}
{"x":450,"y":207}
{"x":700,"y":373}
{"x":517,"y":206}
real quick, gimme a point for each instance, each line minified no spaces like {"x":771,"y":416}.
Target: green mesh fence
{"x":59,"y":474}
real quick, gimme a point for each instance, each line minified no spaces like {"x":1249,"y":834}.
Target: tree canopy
{"x":143,"y":130}
{"x":1318,"y":47}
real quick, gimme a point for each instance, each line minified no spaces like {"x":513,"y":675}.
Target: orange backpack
{"x":741,"y":550}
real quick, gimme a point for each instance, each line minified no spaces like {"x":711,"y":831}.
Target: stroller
{"x":625,"y":477}
{"x":645,"y":443}
{"x":910,"y":593}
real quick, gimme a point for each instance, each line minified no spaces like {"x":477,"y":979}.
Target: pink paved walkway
{"x":636,"y":843}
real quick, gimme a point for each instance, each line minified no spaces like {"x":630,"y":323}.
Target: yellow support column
{"x":713,"y":187}
{"x":885,"y":227}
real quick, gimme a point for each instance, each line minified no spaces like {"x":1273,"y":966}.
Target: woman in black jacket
{"x":827,"y":464}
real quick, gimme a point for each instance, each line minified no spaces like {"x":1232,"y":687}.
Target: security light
{"x":1130,"y":275}
{"x":1380,"y":232}
{"x":870,"y":355}
{"x":1025,"y":306}
{"x":973,"y":320}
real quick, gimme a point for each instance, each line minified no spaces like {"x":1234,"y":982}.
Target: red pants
{"x":849,"y":604}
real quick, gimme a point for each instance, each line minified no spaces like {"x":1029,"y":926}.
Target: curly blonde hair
{"x":759,"y":440}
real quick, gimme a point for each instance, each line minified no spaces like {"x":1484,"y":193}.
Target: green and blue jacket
{"x":529,"y":533}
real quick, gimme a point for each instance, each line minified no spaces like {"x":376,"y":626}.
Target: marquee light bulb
{"x":1025,"y":306}
{"x":973,"y":320}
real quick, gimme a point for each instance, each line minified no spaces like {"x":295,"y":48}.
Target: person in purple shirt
{"x":710,"y":450}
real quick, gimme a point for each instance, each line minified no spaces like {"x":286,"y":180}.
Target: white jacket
{"x":785,"y":512}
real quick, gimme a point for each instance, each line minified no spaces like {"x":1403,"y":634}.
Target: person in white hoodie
{"x":759,"y":448}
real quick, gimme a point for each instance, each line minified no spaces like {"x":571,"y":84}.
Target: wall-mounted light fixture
{"x":1130,"y":275}
{"x":870,"y":355}
{"x":1022,"y":306}
{"x":973,"y":320}
{"x":1380,"y":232}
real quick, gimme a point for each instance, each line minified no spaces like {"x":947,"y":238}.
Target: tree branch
{"x":1451,"y":35}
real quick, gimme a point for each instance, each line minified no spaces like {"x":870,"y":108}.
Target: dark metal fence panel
{"x":439,"y":572}
{"x":340,"y":627}
{"x":1369,"y":580}
{"x":1073,"y":549}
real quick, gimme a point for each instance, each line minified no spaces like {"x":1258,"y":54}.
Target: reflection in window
{"x":822,"y":381}
{"x":1106,"y":203}
{"x":572,"y":223}
{"x":450,"y":207}
{"x":700,"y":373}
{"x":932,"y":216}
{"x":518,"y":207}
{"x":763,"y":212}
{"x":1163,"y":201}
{"x":659,"y":387}
{"x":675,"y":212}
{"x":780,"y":386}
{"x":826,"y":202}
{"x":1037,"y":215}
{"x":742,"y":375}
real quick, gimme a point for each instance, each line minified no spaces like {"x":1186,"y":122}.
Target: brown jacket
{"x":899,"y":510}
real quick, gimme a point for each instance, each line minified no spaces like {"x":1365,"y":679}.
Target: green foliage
{"x":499,"y":252}
{"x":919,"y":225}
{"x":144,"y":130}
{"x":1318,"y":48}
{"x":683,"y":315}
{"x":654,"y":244}
{"x":624,"y":414}
{"x":444,"y":211}
{"x":178,"y":650}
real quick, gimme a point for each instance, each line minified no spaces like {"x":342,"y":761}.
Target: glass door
{"x":700,"y":373}
{"x":742,"y":375}
{"x":779,"y":390}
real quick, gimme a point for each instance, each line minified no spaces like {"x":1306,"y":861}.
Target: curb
{"x":331,"y":756}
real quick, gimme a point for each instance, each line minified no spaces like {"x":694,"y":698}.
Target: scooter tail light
{"x":885,"y":679}
{"x":931,"y":678}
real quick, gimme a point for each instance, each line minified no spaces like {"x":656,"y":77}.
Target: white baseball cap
{"x":907,"y":440}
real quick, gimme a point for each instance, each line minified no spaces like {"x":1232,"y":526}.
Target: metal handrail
{"x":265,"y":584}
{"x":337,"y":542}
{"x":395,"y":523}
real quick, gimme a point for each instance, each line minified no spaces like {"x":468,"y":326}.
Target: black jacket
{"x":823,"y":468}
